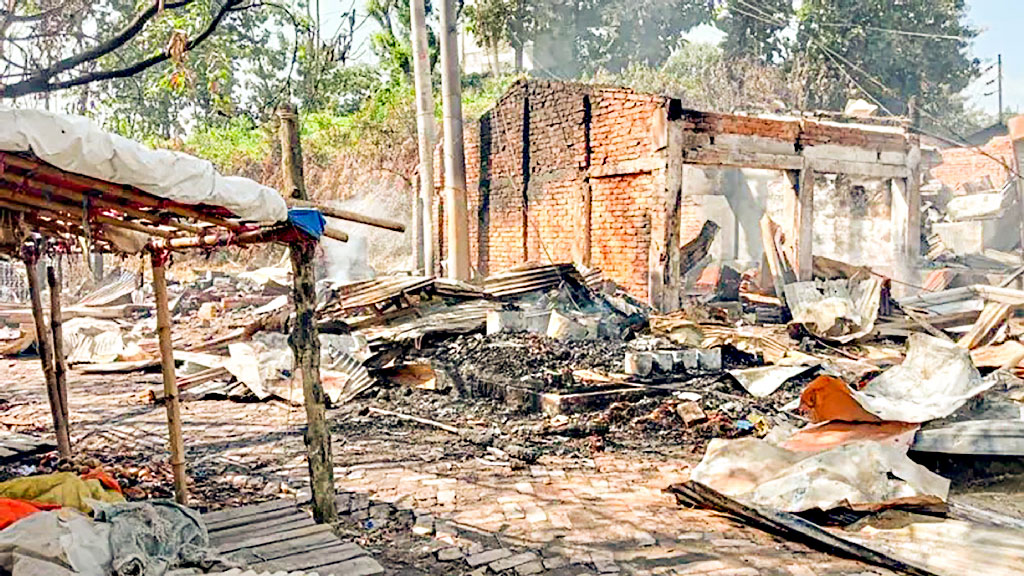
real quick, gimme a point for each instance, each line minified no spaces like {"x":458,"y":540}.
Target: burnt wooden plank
{"x":359,"y":566}
{"x":274,"y":550}
{"x":244,"y":532}
{"x":314,"y":559}
{"x":263,"y":518}
{"x":264,"y":539}
{"x":228,"y":513}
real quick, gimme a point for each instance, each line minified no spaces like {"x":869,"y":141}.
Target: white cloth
{"x":76,"y":144}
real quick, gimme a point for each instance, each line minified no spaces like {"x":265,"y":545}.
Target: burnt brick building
{"x":609,"y":178}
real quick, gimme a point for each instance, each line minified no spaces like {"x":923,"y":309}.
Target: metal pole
{"x":427,"y":135}
{"x":454,"y":154}
{"x":158,"y":259}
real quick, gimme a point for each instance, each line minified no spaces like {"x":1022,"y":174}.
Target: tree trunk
{"x":304,"y":338}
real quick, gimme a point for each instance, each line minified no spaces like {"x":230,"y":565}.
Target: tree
{"x":890,"y":51}
{"x":750,"y":34}
{"x":513,"y":21}
{"x":53,"y":51}
{"x":586,"y":36}
{"x":392,"y":43}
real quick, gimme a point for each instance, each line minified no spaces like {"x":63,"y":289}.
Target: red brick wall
{"x":621,"y":229}
{"x":960,"y":165}
{"x":513,"y":219}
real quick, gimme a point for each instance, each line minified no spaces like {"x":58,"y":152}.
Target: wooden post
{"x":60,"y":364}
{"x":30,"y":256}
{"x":803,"y":221}
{"x":305,"y":342}
{"x":158,"y":259}
{"x":426,"y":132}
{"x":456,"y":218}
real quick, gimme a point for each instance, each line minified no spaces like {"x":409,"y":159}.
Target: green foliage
{"x":479,"y":93}
{"x":392,"y":43}
{"x":703,"y":77}
{"x":756,"y":31}
{"x":847,"y":52}
{"x":230,"y":144}
{"x":577,"y":37}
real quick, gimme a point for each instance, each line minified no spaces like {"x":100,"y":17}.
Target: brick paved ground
{"x":564,"y":515}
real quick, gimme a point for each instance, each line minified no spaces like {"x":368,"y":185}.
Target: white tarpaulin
{"x":935,"y":379}
{"x":78,"y":145}
{"x":765,"y":380}
{"x":842,"y":310}
{"x":861,"y":475}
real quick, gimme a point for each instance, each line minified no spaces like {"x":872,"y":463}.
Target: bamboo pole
{"x":349,"y":215}
{"x":79,"y":197}
{"x":304,"y":338}
{"x":426,"y":131}
{"x":60,"y":363}
{"x":113,"y":190}
{"x":76,"y":212}
{"x":30,"y":256}
{"x":158,"y":259}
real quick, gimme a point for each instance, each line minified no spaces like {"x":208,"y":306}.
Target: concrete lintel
{"x":869,"y":170}
{"x":642,"y":165}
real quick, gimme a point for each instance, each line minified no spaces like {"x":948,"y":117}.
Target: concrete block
{"x":709,"y":359}
{"x":564,"y":327}
{"x":638,"y":363}
{"x":449,"y":554}
{"x":487,"y":556}
{"x":517,"y":321}
{"x":510,"y":562}
{"x":663,"y":361}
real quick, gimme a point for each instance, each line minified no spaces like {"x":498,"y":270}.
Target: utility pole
{"x":423,"y":206}
{"x":999,"y":87}
{"x":456,"y":223}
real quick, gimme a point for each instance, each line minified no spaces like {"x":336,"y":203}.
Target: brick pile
{"x":961,"y":165}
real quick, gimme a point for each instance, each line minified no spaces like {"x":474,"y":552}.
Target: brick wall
{"x":528,"y":178}
{"x":960,"y":165}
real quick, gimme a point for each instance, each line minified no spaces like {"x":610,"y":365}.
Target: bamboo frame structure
{"x":59,"y":206}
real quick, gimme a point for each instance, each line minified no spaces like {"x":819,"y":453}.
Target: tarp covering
{"x":76,"y":144}
{"x":935,"y":379}
{"x":950,"y":547}
{"x":860,"y":475}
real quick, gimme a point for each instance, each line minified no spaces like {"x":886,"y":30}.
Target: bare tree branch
{"x":117,"y":40}
{"x":43,"y":81}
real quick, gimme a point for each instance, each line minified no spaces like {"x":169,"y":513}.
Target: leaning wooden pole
{"x":30,"y":255}
{"x":60,"y":364}
{"x":158,"y":259}
{"x":304,"y":338}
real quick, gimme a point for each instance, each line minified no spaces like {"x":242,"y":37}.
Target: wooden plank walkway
{"x":15,"y":446}
{"x":279,"y":537}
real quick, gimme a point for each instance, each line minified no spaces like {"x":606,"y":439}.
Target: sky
{"x":1000,"y":23}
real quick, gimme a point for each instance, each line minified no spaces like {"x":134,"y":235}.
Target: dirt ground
{"x":579,"y":505}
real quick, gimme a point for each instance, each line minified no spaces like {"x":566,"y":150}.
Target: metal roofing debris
{"x":976,"y":437}
{"x":935,"y":379}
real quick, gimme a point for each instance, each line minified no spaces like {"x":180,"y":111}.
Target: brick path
{"x":562,"y":516}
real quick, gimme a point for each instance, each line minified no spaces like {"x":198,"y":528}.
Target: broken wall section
{"x":562,"y":172}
